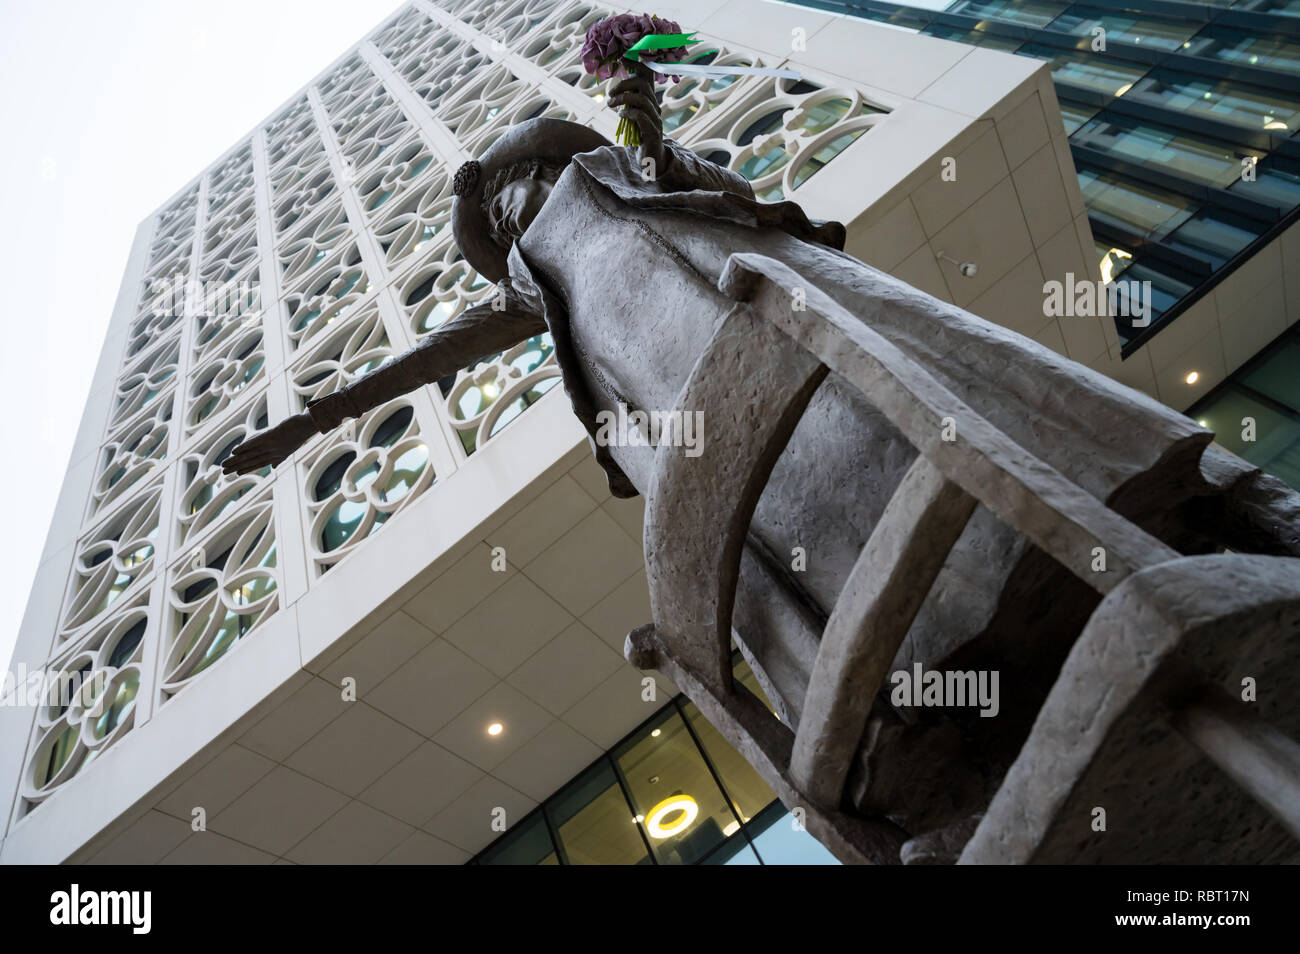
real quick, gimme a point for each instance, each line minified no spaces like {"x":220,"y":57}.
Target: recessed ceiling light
{"x":1192,"y":377}
{"x":496,"y":728}
{"x":655,"y":733}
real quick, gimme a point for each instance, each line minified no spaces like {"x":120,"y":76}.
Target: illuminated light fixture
{"x":496,"y":728}
{"x":1192,"y":377}
{"x":674,"y":804}
{"x":1108,"y":262}
{"x":655,"y":734}
{"x":1203,"y":422}
{"x":1123,"y":89}
{"x":637,"y":819}
{"x":489,"y":390}
{"x":731,"y":829}
{"x":1274,"y":124}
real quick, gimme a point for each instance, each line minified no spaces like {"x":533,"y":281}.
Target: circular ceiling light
{"x":682,"y":806}
{"x":1192,"y":377}
{"x":496,"y":728}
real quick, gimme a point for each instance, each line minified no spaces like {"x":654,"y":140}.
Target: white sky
{"x":108,"y":108}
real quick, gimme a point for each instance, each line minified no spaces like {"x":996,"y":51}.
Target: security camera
{"x":967,"y":269}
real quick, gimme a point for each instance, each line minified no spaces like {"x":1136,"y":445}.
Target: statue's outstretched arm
{"x":478,"y":331}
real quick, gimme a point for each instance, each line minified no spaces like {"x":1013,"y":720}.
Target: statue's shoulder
{"x":602,"y":163}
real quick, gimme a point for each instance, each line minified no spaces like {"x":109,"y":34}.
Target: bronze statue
{"x":881,"y":465}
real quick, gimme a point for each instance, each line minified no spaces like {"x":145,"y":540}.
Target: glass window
{"x":1221,"y":100}
{"x":1026,"y":12}
{"x":749,"y":793}
{"x":1276,"y":447}
{"x":1108,"y":77}
{"x":1209,"y":237}
{"x":677,"y":802}
{"x":1140,"y":31}
{"x":1278,"y":375}
{"x":983,"y":38}
{"x":1150,"y":212}
{"x":814,"y":163}
{"x":1286,"y":8}
{"x":660,"y":788}
{"x":1248,"y":49}
{"x":1277,"y":180}
{"x":1166,"y":289}
{"x":594,"y":822}
{"x":528,"y":844}
{"x":1074,"y":115}
{"x":734,"y":851}
{"x":1207,"y":161}
{"x":785,"y":843}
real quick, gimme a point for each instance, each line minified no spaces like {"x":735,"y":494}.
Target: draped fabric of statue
{"x":625,"y":272}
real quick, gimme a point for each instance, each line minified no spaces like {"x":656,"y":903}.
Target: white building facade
{"x":299,"y":665}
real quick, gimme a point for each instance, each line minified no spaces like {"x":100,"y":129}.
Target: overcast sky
{"x":107,"y":109}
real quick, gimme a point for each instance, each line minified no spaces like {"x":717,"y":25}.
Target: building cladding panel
{"x":314,"y":251}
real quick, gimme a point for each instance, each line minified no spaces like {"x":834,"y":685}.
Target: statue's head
{"x":514,"y":196}
{"x":499,"y":194}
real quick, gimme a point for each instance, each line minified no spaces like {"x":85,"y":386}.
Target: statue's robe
{"x":624,"y":272}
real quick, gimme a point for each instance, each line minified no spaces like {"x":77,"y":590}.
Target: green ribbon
{"x":664,"y":41}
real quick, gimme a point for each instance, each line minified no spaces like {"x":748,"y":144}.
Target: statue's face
{"x":517,"y":204}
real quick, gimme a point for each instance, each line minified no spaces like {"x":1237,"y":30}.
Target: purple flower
{"x":609,"y":39}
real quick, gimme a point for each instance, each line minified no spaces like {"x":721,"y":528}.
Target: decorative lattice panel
{"x":314,"y":251}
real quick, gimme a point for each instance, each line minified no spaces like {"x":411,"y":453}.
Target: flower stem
{"x":627,"y":133}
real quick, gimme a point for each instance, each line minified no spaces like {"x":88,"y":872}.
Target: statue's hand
{"x":637,"y":100}
{"x":270,"y":447}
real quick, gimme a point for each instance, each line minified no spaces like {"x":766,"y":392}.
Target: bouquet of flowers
{"x":615,"y":43}
{"x":618,"y":41}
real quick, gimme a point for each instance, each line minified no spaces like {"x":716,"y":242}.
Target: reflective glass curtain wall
{"x":1256,"y":412}
{"x":672,"y":792}
{"x":1166,"y":104}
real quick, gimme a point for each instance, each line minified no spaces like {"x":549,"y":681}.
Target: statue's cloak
{"x":625,"y":271}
